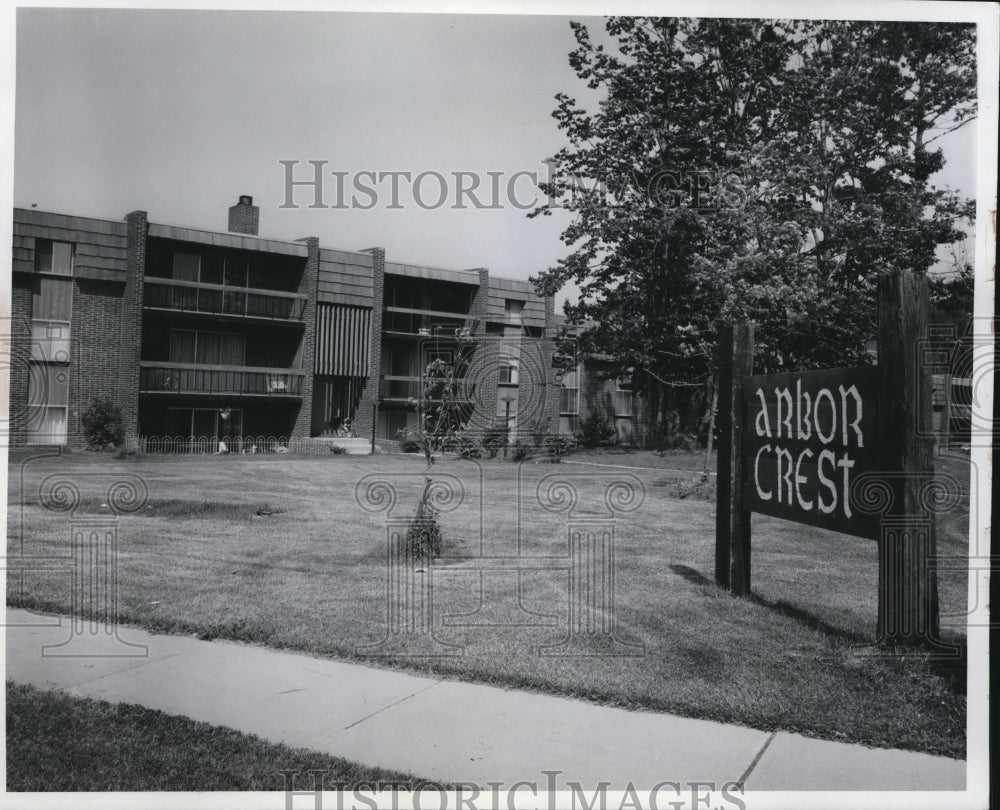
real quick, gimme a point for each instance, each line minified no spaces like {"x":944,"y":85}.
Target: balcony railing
{"x":189,"y":378}
{"x":407,"y":388}
{"x":216,"y":299}
{"x":399,"y":321}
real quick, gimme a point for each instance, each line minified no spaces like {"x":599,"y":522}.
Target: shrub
{"x":337,"y":450}
{"x":522,"y":450}
{"x":595,"y":430}
{"x":494,"y":440}
{"x":468,"y":448}
{"x":409,"y":442}
{"x":677,"y":441}
{"x":102,"y":424}
{"x":555,"y":447}
{"x":423,"y":537}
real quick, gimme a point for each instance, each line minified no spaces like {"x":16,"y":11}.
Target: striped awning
{"x":342,"y":340}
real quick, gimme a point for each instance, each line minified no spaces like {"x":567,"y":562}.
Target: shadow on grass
{"x":951,"y":668}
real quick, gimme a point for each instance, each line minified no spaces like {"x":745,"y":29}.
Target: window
{"x":207,"y":348}
{"x":513,"y":310}
{"x":54,"y":257}
{"x":186,"y":266}
{"x":51,"y":313}
{"x":211,"y":269}
{"x":48,"y":398}
{"x":508,"y":371}
{"x":622,"y":400}
{"x":569,"y":394}
{"x":51,"y":308}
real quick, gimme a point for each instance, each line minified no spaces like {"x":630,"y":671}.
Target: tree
{"x":750,"y":170}
{"x":442,"y":412}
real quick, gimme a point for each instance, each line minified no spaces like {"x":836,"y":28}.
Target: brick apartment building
{"x":199,"y":334}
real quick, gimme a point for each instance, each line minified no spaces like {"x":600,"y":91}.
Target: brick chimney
{"x":244,"y":216}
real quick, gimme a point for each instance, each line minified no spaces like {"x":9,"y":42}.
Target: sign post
{"x":908,"y":599}
{"x":846,"y":449}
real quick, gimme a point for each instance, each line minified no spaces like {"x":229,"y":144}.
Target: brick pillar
{"x":364,"y":421}
{"x":20,"y":357}
{"x":131,"y":324}
{"x":308,"y":286}
{"x":486,"y":361}
{"x":553,"y":385}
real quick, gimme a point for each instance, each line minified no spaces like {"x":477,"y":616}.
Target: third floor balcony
{"x":218,"y":299}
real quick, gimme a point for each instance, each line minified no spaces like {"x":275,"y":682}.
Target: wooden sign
{"x":807,"y":437}
{"x":793,"y":446}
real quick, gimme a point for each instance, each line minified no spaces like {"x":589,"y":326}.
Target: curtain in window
{"x":182,"y":346}
{"x":52,"y":299}
{"x":186,"y":266}
{"x":232,"y":350}
{"x":55,"y":257}
{"x":209,"y":345}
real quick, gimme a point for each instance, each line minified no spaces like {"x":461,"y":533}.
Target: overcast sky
{"x":179,"y":112}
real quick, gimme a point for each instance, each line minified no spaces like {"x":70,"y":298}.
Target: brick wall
{"x":307,"y":286}
{"x":364,"y":422}
{"x":97,"y":349}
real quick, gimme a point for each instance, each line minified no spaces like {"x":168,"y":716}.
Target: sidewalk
{"x":446,"y":730}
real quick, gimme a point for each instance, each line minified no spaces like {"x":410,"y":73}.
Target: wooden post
{"x":711,"y":427}
{"x":732,"y":532}
{"x":944,"y":441}
{"x":723,"y":479}
{"x":908,"y":603}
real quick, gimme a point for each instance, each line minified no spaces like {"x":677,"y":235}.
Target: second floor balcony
{"x":404,"y":388}
{"x":192,"y":378}
{"x":218,"y":299}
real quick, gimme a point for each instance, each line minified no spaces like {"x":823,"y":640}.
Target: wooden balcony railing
{"x":216,"y":299}
{"x":190,"y":378}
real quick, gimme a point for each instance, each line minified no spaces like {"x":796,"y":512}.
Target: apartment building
{"x":205,"y":335}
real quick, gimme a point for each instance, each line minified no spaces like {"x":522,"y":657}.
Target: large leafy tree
{"x":753,"y":170}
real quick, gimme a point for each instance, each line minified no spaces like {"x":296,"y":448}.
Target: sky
{"x":179,"y":112}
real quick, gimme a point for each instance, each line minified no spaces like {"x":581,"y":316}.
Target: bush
{"x":468,"y":448}
{"x":337,"y":450}
{"x":522,"y":450}
{"x":494,"y":440}
{"x":423,"y":537}
{"x":556,"y":447}
{"x":677,"y":441}
{"x":595,"y":431}
{"x":103,"y":425}
{"x":409,"y":442}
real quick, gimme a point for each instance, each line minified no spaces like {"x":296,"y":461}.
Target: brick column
{"x":20,"y":357}
{"x":308,"y":286}
{"x":552,"y":384}
{"x":364,"y":423}
{"x":131,"y":322}
{"x":486,"y":360}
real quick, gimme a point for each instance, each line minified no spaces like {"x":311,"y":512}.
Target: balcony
{"x":404,"y":322}
{"x":216,"y":299}
{"x":189,"y":378}
{"x":402,"y":389}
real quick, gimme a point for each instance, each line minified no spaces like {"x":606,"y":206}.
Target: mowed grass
{"x":314,"y":577}
{"x":60,"y":743}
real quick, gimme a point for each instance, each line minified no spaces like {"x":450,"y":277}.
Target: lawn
{"x":60,"y":743}
{"x":278,"y":550}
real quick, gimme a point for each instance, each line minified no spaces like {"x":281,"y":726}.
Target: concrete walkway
{"x":440,"y":729}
